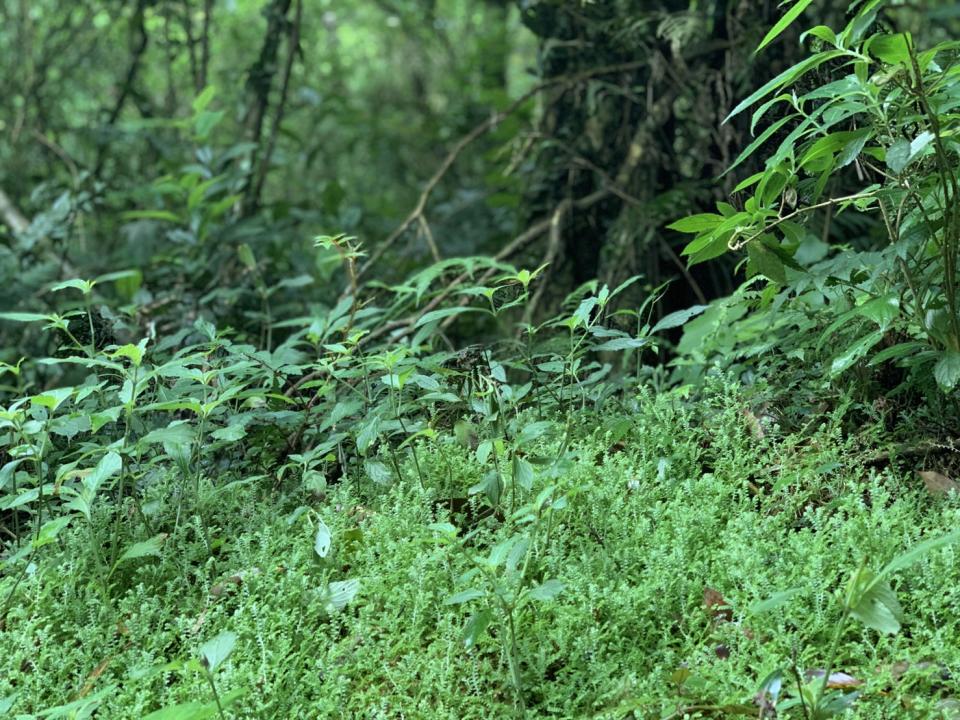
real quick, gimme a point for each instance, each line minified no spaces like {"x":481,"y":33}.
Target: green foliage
{"x":873,"y":142}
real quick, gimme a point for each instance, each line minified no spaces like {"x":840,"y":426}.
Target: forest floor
{"x":676,"y":560}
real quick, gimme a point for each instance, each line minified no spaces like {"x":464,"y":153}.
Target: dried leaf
{"x":938,"y":483}
{"x":715,"y":604}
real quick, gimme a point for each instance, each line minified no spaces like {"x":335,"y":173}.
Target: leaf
{"x":534,"y":431}
{"x":947,"y":370}
{"x":464,"y":596}
{"x":792,"y":14}
{"x":787,"y":76}
{"x":476,"y":626}
{"x":875,"y":604}
{"x":678,"y":318}
{"x":758,"y":141}
{"x":546,"y":591}
{"x":48,"y":533}
{"x":378,"y":472}
{"x":522,"y":473}
{"x":52,"y":399}
{"x":697,"y":223}
{"x":368,"y":434}
{"x":151,"y":215}
{"x":22,"y":317}
{"x":215,"y":651}
{"x":444,"y":313}
{"x":774,"y":601}
{"x":855,"y":352}
{"x":147,"y":548}
{"x":108,"y":466}
{"x":767,"y":262}
{"x":323,"y":540}
{"x":625,"y":343}
{"x":195,"y":710}
{"x":911,"y":556}
{"x":898,"y":155}
{"x":84,"y":286}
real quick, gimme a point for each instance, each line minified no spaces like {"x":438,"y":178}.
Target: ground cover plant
{"x":249,"y":471}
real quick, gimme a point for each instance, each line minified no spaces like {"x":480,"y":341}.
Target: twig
{"x":428,"y":236}
{"x":477,"y":132}
{"x":734,"y":246}
{"x":553,"y":249}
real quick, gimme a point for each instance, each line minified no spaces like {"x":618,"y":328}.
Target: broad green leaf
{"x":625,"y":343}
{"x":476,"y":626}
{"x":874,"y":603}
{"x":147,"y":548}
{"x":547,"y":590}
{"x":464,"y":597}
{"x":534,"y":431}
{"x":947,"y":370}
{"x":898,"y":155}
{"x":792,"y":14}
{"x":218,"y":649}
{"x":48,"y":533}
{"x":678,"y":318}
{"x":52,"y":399}
{"x":697,"y":223}
{"x":522,"y":473}
{"x":767,"y":262}
{"x":378,"y":472}
{"x":882,"y":310}
{"x":891,"y":49}
{"x":109,"y":465}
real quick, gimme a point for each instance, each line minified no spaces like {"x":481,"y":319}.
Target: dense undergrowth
{"x":634,"y":572}
{"x":247,"y":501}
